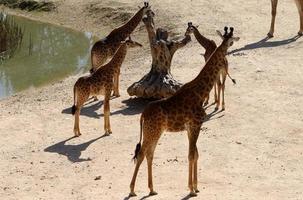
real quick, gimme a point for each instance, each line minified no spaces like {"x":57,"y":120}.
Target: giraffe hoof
{"x":216,"y":108}
{"x":222,"y":109}
{"x":300,"y":33}
{"x":270,"y":35}
{"x":192,"y":194}
{"x":206,"y":103}
{"x":107,"y":133}
{"x":152,"y":193}
{"x":77,"y":134}
{"x":196,"y":190}
{"x":132,"y":194}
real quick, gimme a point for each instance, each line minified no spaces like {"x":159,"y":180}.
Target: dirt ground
{"x":253,"y":150}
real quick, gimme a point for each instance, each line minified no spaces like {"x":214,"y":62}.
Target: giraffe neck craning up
{"x":205,"y":42}
{"x":122,"y":32}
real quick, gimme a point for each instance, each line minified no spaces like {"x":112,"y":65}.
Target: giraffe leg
{"x":274,"y":4}
{"x":215,"y":93}
{"x":116,"y":84}
{"x":149,"y":158}
{"x":223,"y":89}
{"x":140,"y":158}
{"x":219,"y":94}
{"x":81,"y":98}
{"x":76,"y":124}
{"x":299,"y":4}
{"x":196,"y":171}
{"x":107,"y":128}
{"x":193,"y":134}
{"x":206,"y":100}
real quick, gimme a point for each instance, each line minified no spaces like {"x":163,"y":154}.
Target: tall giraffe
{"x":181,"y":111}
{"x":100,"y":82}
{"x":274,"y":4}
{"x":210,"y":46}
{"x":106,"y":47}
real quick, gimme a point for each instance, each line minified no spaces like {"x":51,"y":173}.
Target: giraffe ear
{"x":236,"y":38}
{"x":197,"y":26}
{"x":220,"y":34}
{"x":152,"y":14}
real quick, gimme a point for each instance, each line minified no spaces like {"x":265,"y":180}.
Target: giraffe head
{"x":147,"y":8}
{"x":228,"y":38}
{"x":161,"y":34}
{"x":130,"y":43}
{"x":190,"y":28}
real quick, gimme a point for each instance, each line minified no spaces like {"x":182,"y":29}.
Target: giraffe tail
{"x":138,"y":146}
{"x":74,"y":108}
{"x":233,"y":80}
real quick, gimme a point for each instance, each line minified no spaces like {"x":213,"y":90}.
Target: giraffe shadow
{"x":187,"y":197}
{"x":147,"y":196}
{"x":72,"y":152}
{"x":264,"y":43}
{"x":133,"y":106}
{"x":211,"y":115}
{"x":89,"y":109}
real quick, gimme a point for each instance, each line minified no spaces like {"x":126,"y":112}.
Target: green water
{"x":48,"y":53}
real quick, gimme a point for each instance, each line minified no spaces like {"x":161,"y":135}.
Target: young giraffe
{"x":181,"y":111}
{"x":100,"y":82}
{"x":106,"y":47}
{"x":274,"y":4}
{"x":210,"y":46}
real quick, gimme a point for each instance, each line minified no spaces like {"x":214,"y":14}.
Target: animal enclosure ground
{"x":252,"y":150}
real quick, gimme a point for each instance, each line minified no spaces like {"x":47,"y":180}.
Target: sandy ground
{"x":253,"y":150}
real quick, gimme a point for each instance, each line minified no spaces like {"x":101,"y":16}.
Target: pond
{"x":47,"y":54}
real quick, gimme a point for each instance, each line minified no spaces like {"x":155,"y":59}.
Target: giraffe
{"x":100,"y":82}
{"x":106,"y":47}
{"x":274,"y":4}
{"x":210,"y":46}
{"x":181,"y":111}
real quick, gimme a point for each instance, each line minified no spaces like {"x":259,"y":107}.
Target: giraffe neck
{"x":207,"y":77}
{"x":118,"y":57}
{"x":121,"y":33}
{"x":201,"y":39}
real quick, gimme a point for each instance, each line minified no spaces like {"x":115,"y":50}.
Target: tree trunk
{"x":155,"y":84}
{"x":158,"y":83}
